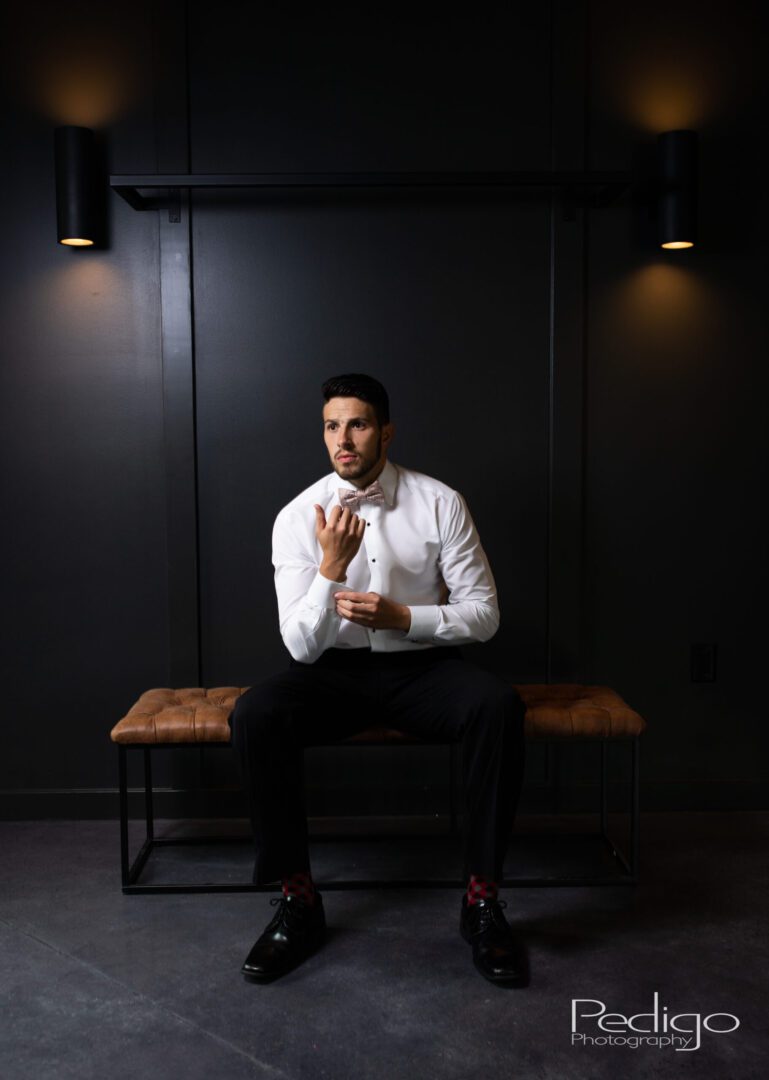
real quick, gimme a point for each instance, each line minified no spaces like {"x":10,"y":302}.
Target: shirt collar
{"x":388,"y":478}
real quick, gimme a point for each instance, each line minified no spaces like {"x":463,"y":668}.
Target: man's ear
{"x":387,"y":433}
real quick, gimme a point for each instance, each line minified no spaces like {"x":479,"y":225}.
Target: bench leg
{"x":629,"y":862}
{"x":129,"y":872}
{"x":635,"y":820}
{"x":149,"y":812}
{"x":123,"y":790}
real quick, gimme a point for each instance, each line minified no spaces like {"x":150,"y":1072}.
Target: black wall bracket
{"x":586,"y":189}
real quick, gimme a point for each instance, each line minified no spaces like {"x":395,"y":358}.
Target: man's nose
{"x":345,"y":438}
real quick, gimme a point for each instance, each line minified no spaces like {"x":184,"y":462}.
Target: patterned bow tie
{"x":353,"y":497}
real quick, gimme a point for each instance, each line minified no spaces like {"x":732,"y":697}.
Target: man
{"x":380,"y":575}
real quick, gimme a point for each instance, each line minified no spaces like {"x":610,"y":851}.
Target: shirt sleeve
{"x":472,"y":611}
{"x":306,"y":607}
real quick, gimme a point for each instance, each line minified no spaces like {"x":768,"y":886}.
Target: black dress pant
{"x":432,"y":693}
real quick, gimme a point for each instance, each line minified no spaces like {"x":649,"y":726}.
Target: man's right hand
{"x":339,"y":537}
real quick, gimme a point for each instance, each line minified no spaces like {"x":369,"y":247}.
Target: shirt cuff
{"x":424,"y":622}
{"x":321,"y":592}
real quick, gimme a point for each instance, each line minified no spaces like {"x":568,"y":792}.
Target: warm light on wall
{"x":659,"y":305}
{"x":85,"y":68}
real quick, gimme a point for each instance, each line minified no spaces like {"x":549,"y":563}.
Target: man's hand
{"x":339,"y":537}
{"x":373,"y":611}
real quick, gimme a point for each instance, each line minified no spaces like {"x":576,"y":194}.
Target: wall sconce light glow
{"x":75,"y":187}
{"x":85,"y":69}
{"x":673,"y":91}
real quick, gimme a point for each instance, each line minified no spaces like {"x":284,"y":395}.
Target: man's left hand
{"x":373,"y":611}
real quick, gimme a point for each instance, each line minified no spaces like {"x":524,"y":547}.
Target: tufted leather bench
{"x":198,"y":717}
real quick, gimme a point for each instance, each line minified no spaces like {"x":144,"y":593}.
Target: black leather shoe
{"x":497,"y":953}
{"x":295,"y":930}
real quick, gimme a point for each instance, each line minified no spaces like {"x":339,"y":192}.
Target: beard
{"x":362,"y":466}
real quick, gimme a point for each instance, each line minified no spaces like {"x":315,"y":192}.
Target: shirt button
{"x":368,"y":524}
{"x":373,"y":560}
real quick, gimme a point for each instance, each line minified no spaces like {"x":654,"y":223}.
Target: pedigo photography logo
{"x":592,"y":1024}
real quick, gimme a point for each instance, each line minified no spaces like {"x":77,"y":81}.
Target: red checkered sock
{"x":481,"y":888}
{"x":300,"y":885}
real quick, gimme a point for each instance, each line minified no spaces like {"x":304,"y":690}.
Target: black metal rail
{"x":577,"y":188}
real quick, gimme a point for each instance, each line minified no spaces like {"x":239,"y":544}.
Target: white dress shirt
{"x":421,"y":537}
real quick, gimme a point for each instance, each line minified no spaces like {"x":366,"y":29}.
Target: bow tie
{"x":353,"y":497}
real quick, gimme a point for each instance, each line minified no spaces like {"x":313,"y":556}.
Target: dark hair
{"x":360,"y":386}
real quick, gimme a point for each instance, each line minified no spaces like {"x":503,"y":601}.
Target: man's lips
{"x":346,"y":457}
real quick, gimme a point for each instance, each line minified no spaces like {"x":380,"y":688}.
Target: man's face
{"x":356,"y":444}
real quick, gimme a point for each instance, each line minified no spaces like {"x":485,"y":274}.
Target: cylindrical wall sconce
{"x":677,"y":176}
{"x":75,"y":186}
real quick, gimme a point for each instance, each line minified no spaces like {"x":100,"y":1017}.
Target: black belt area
{"x":363,"y":658}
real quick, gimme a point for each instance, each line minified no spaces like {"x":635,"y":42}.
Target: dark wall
{"x":676,"y":448}
{"x":85,"y":607}
{"x":419,"y":290}
{"x":612,"y":391}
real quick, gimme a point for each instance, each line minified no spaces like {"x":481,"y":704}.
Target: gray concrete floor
{"x":97,"y":984}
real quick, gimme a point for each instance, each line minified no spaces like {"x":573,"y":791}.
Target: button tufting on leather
{"x":552,"y":710}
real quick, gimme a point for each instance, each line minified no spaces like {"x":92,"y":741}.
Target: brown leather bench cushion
{"x":570,"y":710}
{"x":186,"y":716}
{"x":196,"y":715}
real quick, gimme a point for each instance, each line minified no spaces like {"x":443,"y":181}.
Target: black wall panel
{"x":85,"y":610}
{"x":426,"y":298}
{"x":443,"y":298}
{"x":373,"y":90}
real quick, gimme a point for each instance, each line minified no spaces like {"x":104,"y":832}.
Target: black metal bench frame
{"x":131,"y":871}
